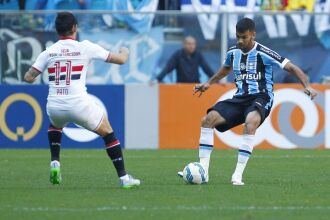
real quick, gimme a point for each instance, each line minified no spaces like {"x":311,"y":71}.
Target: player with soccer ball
{"x":252,"y":64}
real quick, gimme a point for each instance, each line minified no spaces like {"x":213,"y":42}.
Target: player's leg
{"x":206,"y":140}
{"x":252,"y":122}
{"x":57,"y":119}
{"x":54,"y":139}
{"x":112,"y":146}
{"x":255,"y":114}
{"x":91,"y":116}
{"x":115,"y":153}
{"x":222,"y":116}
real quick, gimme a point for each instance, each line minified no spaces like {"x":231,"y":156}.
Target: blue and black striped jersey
{"x":254,"y":70}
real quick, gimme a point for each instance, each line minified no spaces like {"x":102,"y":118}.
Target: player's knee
{"x":209,"y":120}
{"x":250,"y":127}
{"x":104,"y":128}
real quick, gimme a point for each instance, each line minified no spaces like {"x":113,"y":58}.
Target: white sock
{"x":244,"y":153}
{"x":206,"y":142}
{"x":55,"y":164}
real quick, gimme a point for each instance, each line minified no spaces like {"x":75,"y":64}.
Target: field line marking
{"x":6,"y":157}
{"x":165,"y":208}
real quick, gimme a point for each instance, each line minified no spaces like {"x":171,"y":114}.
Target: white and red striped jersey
{"x":66,"y":64}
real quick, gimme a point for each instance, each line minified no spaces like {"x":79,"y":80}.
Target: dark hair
{"x":64,"y":23}
{"x":245,"y":24}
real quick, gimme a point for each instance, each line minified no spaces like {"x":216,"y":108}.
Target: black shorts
{"x":236,"y":109}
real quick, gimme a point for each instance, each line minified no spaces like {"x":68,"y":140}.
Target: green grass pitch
{"x":280,"y":184}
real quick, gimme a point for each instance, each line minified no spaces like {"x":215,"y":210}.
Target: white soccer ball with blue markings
{"x":194,"y":173}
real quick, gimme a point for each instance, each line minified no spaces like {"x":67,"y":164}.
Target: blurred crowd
{"x":45,"y":22}
{"x":274,"y":5}
{"x":77,"y":4}
{"x":287,"y":5}
{"x":174,"y":26}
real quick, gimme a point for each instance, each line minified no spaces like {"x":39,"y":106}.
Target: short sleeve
{"x":41,"y":62}
{"x":228,"y":60}
{"x":273,"y":57}
{"x":283,"y":63}
{"x":279,"y":61}
{"x":95,"y":51}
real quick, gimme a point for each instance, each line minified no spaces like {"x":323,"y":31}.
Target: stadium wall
{"x":295,"y":120}
{"x":165,"y":117}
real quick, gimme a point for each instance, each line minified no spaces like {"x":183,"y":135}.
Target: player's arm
{"x":37,"y":68}
{"x":118,"y":58}
{"x":297,"y":72}
{"x":31,"y":75}
{"x":222,"y":72}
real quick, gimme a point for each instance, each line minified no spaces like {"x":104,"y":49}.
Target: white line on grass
{"x":165,"y":208}
{"x":232,"y":156}
{"x":78,"y":156}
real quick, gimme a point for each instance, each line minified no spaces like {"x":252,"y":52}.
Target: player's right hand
{"x":201,"y":88}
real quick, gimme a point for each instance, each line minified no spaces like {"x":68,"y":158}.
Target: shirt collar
{"x":66,"y":38}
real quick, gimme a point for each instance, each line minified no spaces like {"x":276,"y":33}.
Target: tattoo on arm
{"x":31,"y":74}
{"x":34,"y":73}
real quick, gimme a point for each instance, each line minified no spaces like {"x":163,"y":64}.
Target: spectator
{"x":49,"y":19}
{"x":273,"y":5}
{"x":300,"y":5}
{"x":186,"y":62}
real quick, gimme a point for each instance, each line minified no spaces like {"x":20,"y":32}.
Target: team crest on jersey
{"x":243,"y":67}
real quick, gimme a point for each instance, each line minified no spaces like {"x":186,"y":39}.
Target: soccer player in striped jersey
{"x":66,"y":62}
{"x":252,"y":64}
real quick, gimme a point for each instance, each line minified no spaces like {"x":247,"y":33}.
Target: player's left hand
{"x":310,"y":92}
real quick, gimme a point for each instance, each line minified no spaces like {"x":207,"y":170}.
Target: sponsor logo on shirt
{"x":249,"y":76}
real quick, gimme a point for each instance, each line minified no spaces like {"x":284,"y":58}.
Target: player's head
{"x":66,"y":24}
{"x":189,"y":44}
{"x":245,"y":34}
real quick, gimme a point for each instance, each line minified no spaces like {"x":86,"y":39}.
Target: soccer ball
{"x":194,"y":173}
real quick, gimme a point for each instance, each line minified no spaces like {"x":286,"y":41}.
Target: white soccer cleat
{"x":236,"y":179}
{"x":130,"y":182}
{"x":180,"y":174}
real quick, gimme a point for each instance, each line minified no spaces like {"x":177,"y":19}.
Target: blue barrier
{"x":24,"y":121}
